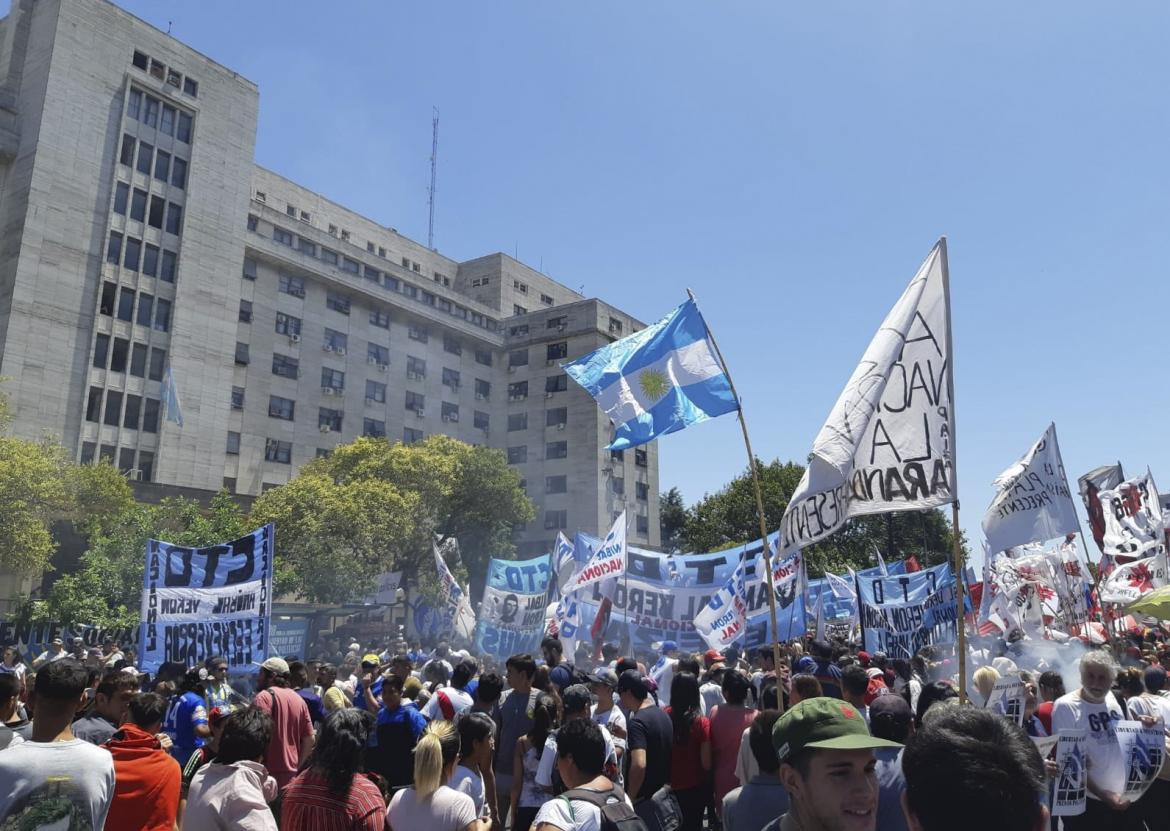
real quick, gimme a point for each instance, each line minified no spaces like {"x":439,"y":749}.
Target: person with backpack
{"x":577,"y":703}
{"x":448,"y":702}
{"x":592,"y":802}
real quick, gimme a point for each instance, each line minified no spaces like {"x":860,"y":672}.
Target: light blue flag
{"x":656,"y":381}
{"x":170,"y":397}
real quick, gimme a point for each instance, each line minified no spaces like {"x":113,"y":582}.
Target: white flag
{"x":455,"y":600}
{"x":1133,"y":519}
{"x":607,"y":561}
{"x":820,"y":630}
{"x":723,"y":620}
{"x":1034,"y":502}
{"x":888,"y":442}
{"x":1127,"y":582}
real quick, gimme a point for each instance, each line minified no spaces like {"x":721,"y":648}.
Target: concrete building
{"x":137,"y":234}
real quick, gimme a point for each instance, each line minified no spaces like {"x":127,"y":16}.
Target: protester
{"x":513,"y":720}
{"x":14,"y":727}
{"x":650,"y":743}
{"x":111,"y":700}
{"x":298,"y":679}
{"x":448,"y":702}
{"x":333,"y":698}
{"x":824,"y":670}
{"x":1051,"y":687}
{"x":397,"y":730}
{"x":603,"y":684}
{"x":575,"y":705}
{"x":527,"y":795}
{"x":560,"y":670}
{"x":55,"y":652}
{"x":1152,"y":704}
{"x":854,"y":686}
{"x":758,"y":802}
{"x":232,"y":793}
{"x":711,"y":690}
{"x":332,"y":792}
{"x":216,"y":720}
{"x":477,"y":748}
{"x":146,"y":777}
{"x":12,"y":665}
{"x":729,"y":722}
{"x":663,"y":670}
{"x":931,"y":695}
{"x":971,"y":770}
{"x":186,"y":719}
{"x":488,"y":690}
{"x":890,"y":718}
{"x":219,"y":691}
{"x":54,"y":771}
{"x":580,"y":759}
{"x":369,"y":667}
{"x":690,"y":760}
{"x":429,"y":804}
{"x":291,"y":740}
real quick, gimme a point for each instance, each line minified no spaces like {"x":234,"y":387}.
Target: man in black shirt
{"x":650,"y":741}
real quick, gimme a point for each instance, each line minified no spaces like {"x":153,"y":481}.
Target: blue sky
{"x":792,"y":163}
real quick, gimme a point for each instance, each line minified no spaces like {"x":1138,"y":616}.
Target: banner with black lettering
{"x":1132,"y":514}
{"x":888,"y":444}
{"x":31,"y":639}
{"x":199,"y":602}
{"x":1104,"y":478}
{"x":902,"y":613}
{"x":511,"y":616}
{"x":1068,"y":793}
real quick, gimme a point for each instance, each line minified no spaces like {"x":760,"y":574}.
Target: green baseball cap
{"x":823,"y":724}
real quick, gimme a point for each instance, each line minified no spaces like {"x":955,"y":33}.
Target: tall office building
{"x":137,"y":236}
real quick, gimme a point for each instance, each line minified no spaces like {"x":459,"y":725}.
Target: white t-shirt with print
{"x":1106,"y":765}
{"x":610,"y":719}
{"x":581,"y":816}
{"x":446,"y":810}
{"x":460,"y":701}
{"x":1151,"y":705}
{"x":468,"y":781}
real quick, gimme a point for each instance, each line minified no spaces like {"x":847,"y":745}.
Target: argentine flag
{"x":656,"y":381}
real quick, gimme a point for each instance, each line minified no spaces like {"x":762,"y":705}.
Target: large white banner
{"x":723,"y":619}
{"x":1143,"y":750}
{"x":607,"y":562}
{"x":1033,"y":503}
{"x":454,"y":601}
{"x":1133,"y":518}
{"x":888,"y":444}
{"x":1068,"y":795}
{"x":1129,"y":581}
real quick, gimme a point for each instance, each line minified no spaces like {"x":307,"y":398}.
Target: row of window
{"x":518,"y":390}
{"x":119,"y":354}
{"x":139,"y":413}
{"x":165,"y":167}
{"x":163,"y":215}
{"x":119,"y":301}
{"x":518,"y":455}
{"x":131,"y":254}
{"x":152,"y":112}
{"x":522,"y":287}
{"x":123,"y":457}
{"x":280,"y":452}
{"x":559,"y":520}
{"x":169,"y":74}
{"x":641,"y":459}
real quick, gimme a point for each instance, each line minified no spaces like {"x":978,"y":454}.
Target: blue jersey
{"x":359,"y":695}
{"x":404,"y":714}
{"x":185,"y":713}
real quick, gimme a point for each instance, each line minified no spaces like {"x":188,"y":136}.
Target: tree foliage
{"x":672,"y":519}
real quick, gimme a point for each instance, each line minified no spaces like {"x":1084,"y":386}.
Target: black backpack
{"x":615,"y":816}
{"x":579,"y":676}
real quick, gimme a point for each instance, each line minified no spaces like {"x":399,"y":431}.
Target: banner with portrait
{"x":511,"y":616}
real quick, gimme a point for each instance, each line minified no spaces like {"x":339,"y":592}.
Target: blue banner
{"x":902,"y":613}
{"x":288,"y":638}
{"x":511,"y":616}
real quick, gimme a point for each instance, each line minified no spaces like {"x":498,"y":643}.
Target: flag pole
{"x":747,"y":443}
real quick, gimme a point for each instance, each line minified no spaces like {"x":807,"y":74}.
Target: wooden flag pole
{"x":747,"y":442}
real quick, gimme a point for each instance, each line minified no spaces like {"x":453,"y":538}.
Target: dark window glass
{"x":183,"y":133}
{"x":145,"y":157}
{"x":556,"y":416}
{"x":106,"y":453}
{"x":150,"y":260}
{"x":126,"y":304}
{"x":121,"y":197}
{"x":640,"y":458}
{"x":242,"y":357}
{"x":556,"y":383}
{"x":233,"y":444}
{"x":517,"y":455}
{"x":179,"y":173}
{"x":278,"y":451}
{"x":119,"y":355}
{"x":138,"y":360}
{"x":133,"y":409}
{"x":109,"y":293}
{"x":245,"y":311}
{"x":373,"y":427}
{"x":162,"y":165}
{"x":93,"y":405}
{"x":190,"y":87}
{"x":517,"y":421}
{"x":101,"y":351}
{"x":556,"y":450}
{"x":134,"y":104}
{"x":167,"y":272}
{"x":282,"y":408}
{"x":166,"y":124}
{"x":556,"y":351}
{"x":113,"y":408}
{"x":162,"y":315}
{"x":155,"y":220}
{"x":150,"y":415}
{"x":88,"y":451}
{"x":158,"y":360}
{"x":285,"y":366}
{"x":139,"y":59}
{"x":126,"y":459}
{"x":237,"y":398}
{"x":128,"y":144}
{"x":114,"y":249}
{"x":133,"y":253}
{"x":138,"y":206}
{"x":146,"y":466}
{"x":145,"y":307}
{"x":150,"y":115}
{"x":174,"y":219}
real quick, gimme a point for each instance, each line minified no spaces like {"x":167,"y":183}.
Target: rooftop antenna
{"x":169,"y":26}
{"x":434,"y":163}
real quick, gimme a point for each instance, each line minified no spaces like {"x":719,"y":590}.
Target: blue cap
{"x":669,"y":646}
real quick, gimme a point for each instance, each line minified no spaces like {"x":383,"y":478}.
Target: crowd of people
{"x":395,"y":736}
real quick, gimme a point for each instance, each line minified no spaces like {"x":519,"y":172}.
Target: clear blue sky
{"x":792,"y":163}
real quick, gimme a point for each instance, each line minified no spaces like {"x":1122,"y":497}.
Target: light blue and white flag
{"x":657,"y":381}
{"x":170,"y":397}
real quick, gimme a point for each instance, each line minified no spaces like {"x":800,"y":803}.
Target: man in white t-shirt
{"x":55,"y":773}
{"x":580,"y":758}
{"x":1094,"y":709}
{"x":576,"y":702}
{"x":55,"y":652}
{"x":662,"y":672}
{"x":449,"y":702}
{"x":606,"y":713}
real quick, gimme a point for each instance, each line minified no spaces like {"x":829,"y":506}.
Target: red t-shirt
{"x":291,"y":724}
{"x":146,"y":782}
{"x":1044,"y":713}
{"x":686,"y":761}
{"x":310,"y":806}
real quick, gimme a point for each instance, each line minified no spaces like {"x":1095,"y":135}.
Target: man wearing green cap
{"x":827,"y":767}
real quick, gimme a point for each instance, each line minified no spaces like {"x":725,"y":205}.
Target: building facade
{"x":138,"y":237}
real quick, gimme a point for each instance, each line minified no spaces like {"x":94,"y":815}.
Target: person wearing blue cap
{"x":662,"y":673}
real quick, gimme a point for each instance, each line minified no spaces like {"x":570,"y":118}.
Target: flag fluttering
{"x":607,"y":563}
{"x":170,"y":397}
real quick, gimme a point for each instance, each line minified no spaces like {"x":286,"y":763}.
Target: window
{"x":287,"y":324}
{"x":183,"y":131}
{"x":518,"y":357}
{"x":158,"y":360}
{"x":556,"y":520}
{"x":129,"y":143}
{"x":337,"y":302}
{"x":381,"y":319}
{"x":482,"y":356}
{"x":642,"y":524}
{"x":285,"y":366}
{"x":139,"y":59}
{"x":93,"y":405}
{"x":333,"y":379}
{"x":617,"y":456}
{"x":88,"y":450}
{"x":106,"y":453}
{"x":415,"y":401}
{"x":546,"y":300}
{"x":376,"y":354}
{"x":292,"y":285}
{"x":174,"y":219}
{"x":101,"y":351}
{"x":615,"y":326}
{"x":150,"y":260}
{"x":242,"y":358}
{"x":642,"y":491}
{"x":138,"y":360}
{"x":556,"y":450}
{"x":179,"y":173}
{"x":174,"y":78}
{"x":145,"y":466}
{"x":556,"y":383}
{"x":113,"y":409}
{"x":452,"y":345}
{"x":126,"y":304}
{"x":556,"y":484}
{"x":371,"y":274}
{"x":518,"y":331}
{"x":237,"y":398}
{"x":373,"y":428}
{"x":450,"y":412}
{"x":133,"y":411}
{"x":559,"y":322}
{"x":190,"y":87}
{"x":483,"y":390}
{"x":291,"y":211}
{"x":166,"y":124}
{"x":121,"y":197}
{"x":329,"y":256}
{"x":162,"y":166}
{"x":162,"y":315}
{"x":166,"y":272}
{"x":518,"y":391}
{"x":556,"y":351}
{"x":518,"y":455}
{"x":450,"y":378}
{"x":417,"y":333}
{"x":336,"y":341}
{"x":109,"y":294}
{"x":556,"y":417}
{"x":381,"y":252}
{"x":282,"y":408}
{"x":416,"y":368}
{"x":155,"y":218}
{"x":138,"y":206}
{"x":119,"y":354}
{"x":245,"y":311}
{"x":134,"y":104}
{"x":520,"y":287}
{"x":306,"y":247}
{"x":145,"y":308}
{"x":145,"y":157}
{"x":517,"y":421}
{"x":278,"y":451}
{"x":249,"y":268}
{"x":133,"y":253}
{"x":640,"y":457}
{"x":253,"y":222}
{"x":375,"y":392}
{"x":391,"y":283}
{"x":150,"y":408}
{"x":329,"y":420}
{"x":410,"y":435}
{"x":349,"y":265}
{"x":114,"y":248}
{"x":519,"y":310}
{"x":233,"y":443}
{"x":480,"y":420}
{"x":282,"y":236}
{"x":618,"y":485}
{"x":126,"y":459}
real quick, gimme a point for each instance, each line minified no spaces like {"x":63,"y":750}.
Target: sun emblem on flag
{"x":654,"y":383}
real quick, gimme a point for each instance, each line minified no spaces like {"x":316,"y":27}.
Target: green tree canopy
{"x":672,"y":519}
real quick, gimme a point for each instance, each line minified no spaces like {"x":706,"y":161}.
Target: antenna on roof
{"x":434,"y":164}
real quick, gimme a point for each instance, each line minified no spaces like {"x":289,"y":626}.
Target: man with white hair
{"x":1093,"y":708}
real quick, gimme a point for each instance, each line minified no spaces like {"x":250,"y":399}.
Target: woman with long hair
{"x":429,"y":805}
{"x":690,"y":760}
{"x":477,"y":748}
{"x":331,"y":791}
{"x":527,"y":796}
{"x":729,"y":722}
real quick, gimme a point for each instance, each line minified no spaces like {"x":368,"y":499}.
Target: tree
{"x":373,"y":506}
{"x":730,"y":517}
{"x":672,"y":519}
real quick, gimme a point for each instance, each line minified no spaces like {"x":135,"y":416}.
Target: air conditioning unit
{"x":548,"y":395}
{"x":329,"y":390}
{"x":561,"y":327}
{"x":340,"y":350}
{"x":413,"y":376}
{"x":372,"y":361}
{"x":451,"y":417}
{"x":561,"y":426}
{"x":135,"y":474}
{"x":479,"y":396}
{"x":328,"y":347}
{"x":325,"y":428}
{"x":294,"y":338}
{"x":297,"y":293}
{"x":511,"y":370}
{"x":382,"y":367}
{"x":419,"y":413}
